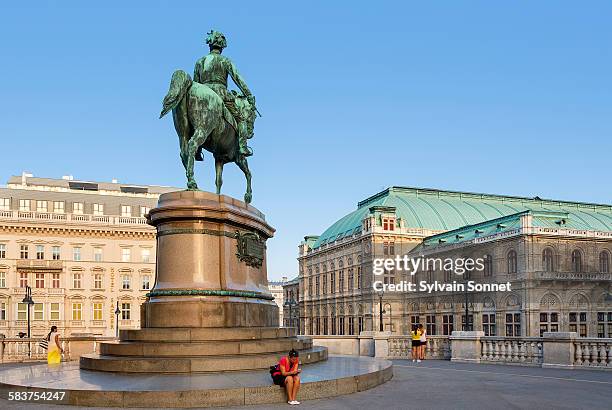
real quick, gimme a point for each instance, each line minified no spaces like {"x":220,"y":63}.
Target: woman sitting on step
{"x":288,"y":375}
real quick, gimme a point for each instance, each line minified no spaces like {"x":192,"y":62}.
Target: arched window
{"x":512,"y":261}
{"x":576,"y":261}
{"x":547,"y":260}
{"x":488,"y":265}
{"x":604,"y":262}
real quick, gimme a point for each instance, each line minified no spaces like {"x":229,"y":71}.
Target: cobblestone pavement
{"x":437,"y":384}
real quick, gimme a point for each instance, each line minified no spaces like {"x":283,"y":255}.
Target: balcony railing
{"x":592,"y":352}
{"x":67,"y":218}
{"x":26,"y":350}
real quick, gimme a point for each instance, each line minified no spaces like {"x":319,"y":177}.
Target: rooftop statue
{"x":209,"y":116}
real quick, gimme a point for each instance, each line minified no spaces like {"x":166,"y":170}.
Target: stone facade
{"x":336,"y":270}
{"x":82,"y":247}
{"x":291,"y":306}
{"x":553,"y":289}
{"x":276,"y":289}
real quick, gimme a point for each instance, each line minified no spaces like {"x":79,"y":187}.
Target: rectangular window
{"x":77,"y":280}
{"x":23,"y":251}
{"x":146,"y":255}
{"x":341,"y":325}
{"x":41,"y":206}
{"x":513,"y":324}
{"x":361,"y":325}
{"x":54,"y":311}
{"x":23,"y":279}
{"x":98,"y":209}
{"x":447,"y":324}
{"x":58,"y":207}
{"x":144,"y":210}
{"x":578,"y":323}
{"x":388,"y":224}
{"x":317,"y":287}
{"x":77,"y":208}
{"x":98,"y":254}
{"x":22,"y":311}
{"x":470,"y":324}
{"x":431,"y":325}
{"x":125,"y":281}
{"x":77,"y":311}
{"x":146,"y":282}
{"x":40,"y":280}
{"x":55,"y":253}
{"x":388,"y":248}
{"x":40,"y":252}
{"x":39,"y":310}
{"x":97,"y":281}
{"x":604,"y":324}
{"x":2,"y":251}
{"x":5,"y":204}
{"x":488,"y":324}
{"x":76,"y":253}
{"x":549,"y":322}
{"x":126,"y":254}
{"x":55,"y":280}
{"x":126,"y":210}
{"x":126,"y":311}
{"x":351,"y":324}
{"x":2,"y":279}
{"x":24,"y":205}
{"x":2,"y":311}
{"x":97,"y":311}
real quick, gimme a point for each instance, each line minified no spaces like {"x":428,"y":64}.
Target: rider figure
{"x":213,"y":70}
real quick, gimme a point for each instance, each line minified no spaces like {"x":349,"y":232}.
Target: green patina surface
{"x":448,"y":210}
{"x":209,"y":292}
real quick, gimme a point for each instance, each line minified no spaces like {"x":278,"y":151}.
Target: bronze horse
{"x":201,"y":121}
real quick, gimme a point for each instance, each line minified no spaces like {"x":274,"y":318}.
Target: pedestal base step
{"x":185,"y":334}
{"x":204,"y":348}
{"x":339,"y":375}
{"x":182,"y":364}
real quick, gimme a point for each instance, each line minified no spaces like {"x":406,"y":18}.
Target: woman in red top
{"x":289,"y":375}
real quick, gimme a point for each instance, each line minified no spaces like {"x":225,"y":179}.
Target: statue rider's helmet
{"x":216,"y":40}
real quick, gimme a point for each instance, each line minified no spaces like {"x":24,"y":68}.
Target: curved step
{"x":207,"y":348}
{"x":184,"y":334}
{"x":194,"y":364}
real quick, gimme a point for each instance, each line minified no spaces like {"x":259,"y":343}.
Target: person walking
{"x":423,"y":340}
{"x":54,"y":350}
{"x":416,"y":342}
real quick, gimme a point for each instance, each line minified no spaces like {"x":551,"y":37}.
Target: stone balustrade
{"x":592,"y":352}
{"x":25,"y":350}
{"x":438,"y":347}
{"x":527,"y":350}
{"x":68,"y":217}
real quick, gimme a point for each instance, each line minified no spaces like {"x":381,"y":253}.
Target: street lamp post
{"x":381,"y":310}
{"x":117,"y":312}
{"x":29,"y":302}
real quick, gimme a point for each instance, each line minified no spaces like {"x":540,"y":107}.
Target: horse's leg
{"x":219,"y":174}
{"x":198,"y":138}
{"x":244,"y":166}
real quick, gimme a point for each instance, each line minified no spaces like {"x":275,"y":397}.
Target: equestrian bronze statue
{"x":209,"y":116}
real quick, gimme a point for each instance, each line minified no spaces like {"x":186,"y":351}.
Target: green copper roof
{"x":446,"y":210}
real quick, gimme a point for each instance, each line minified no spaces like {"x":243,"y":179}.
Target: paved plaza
{"x":436,"y":384}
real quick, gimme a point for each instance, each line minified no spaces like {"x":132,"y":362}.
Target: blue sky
{"x":512,"y":98}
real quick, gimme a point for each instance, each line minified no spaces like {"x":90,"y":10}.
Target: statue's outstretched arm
{"x":238,"y":80}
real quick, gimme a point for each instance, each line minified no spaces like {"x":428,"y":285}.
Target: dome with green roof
{"x":439,"y":210}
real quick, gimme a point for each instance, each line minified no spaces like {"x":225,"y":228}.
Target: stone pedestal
{"x":210,"y":308}
{"x":465,"y":346}
{"x":558,"y":349}
{"x":381,"y":344}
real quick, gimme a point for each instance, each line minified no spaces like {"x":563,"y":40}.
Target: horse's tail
{"x":179,"y":85}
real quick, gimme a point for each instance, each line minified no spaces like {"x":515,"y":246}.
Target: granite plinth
{"x":336,"y":376}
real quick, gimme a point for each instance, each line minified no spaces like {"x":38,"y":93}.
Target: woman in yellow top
{"x":54,"y":352}
{"x":416,"y":342}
